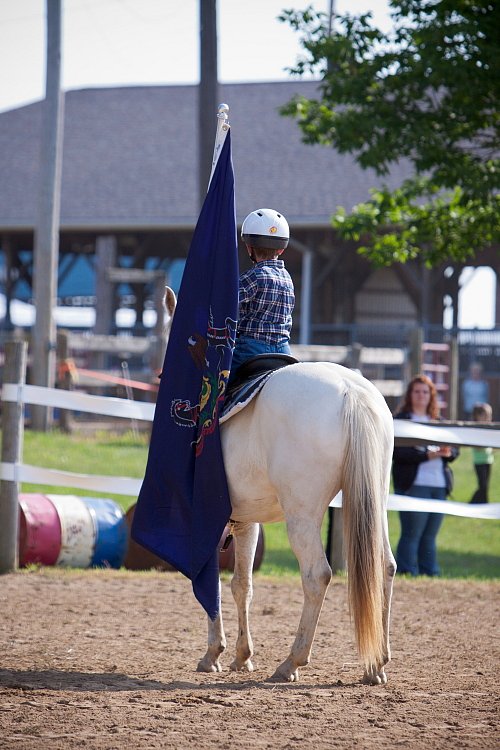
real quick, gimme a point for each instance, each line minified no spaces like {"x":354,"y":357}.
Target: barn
{"x":130,"y":200}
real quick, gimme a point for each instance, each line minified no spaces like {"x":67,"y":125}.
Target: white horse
{"x":315,"y":429}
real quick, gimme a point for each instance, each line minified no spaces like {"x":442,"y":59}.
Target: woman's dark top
{"x":406,"y":460}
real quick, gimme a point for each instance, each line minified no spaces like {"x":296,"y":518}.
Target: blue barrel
{"x":111,"y":540}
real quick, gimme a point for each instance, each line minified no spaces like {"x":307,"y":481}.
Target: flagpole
{"x":220,"y":136}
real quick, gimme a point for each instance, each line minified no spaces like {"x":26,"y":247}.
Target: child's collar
{"x":274,"y":261}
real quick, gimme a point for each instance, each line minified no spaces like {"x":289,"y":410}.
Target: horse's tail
{"x":364,"y":484}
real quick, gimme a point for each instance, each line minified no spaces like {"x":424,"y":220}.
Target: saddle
{"x":260,"y":364}
{"x":250,"y":379}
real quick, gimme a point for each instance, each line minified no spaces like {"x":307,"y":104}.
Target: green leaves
{"x":412,"y":221}
{"x":426,"y":91}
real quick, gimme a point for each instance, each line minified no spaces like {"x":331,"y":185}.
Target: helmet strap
{"x":251,"y":253}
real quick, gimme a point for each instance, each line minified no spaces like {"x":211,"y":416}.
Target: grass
{"x":468,"y":548}
{"x":98,"y":453}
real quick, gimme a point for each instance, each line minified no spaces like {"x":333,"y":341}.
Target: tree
{"x":426,"y":91}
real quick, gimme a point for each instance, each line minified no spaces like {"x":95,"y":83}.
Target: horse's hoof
{"x":204,"y":665}
{"x":375,"y":678}
{"x":285,"y":675}
{"x":246,"y":666}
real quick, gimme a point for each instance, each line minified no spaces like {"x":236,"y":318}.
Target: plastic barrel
{"x":72,"y":531}
{"x":39,"y":530}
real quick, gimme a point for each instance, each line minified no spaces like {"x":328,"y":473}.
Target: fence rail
{"x":406,"y":432}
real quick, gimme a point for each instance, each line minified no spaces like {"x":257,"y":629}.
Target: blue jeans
{"x":416,"y":552}
{"x":247,"y":347}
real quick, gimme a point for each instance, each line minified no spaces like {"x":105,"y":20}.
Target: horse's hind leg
{"x":216,"y":645}
{"x":246,"y":536}
{"x":305,"y":540}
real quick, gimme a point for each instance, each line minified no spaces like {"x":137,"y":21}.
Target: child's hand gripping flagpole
{"x":184,"y":501}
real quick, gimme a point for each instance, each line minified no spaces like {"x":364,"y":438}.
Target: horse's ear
{"x":170,"y":301}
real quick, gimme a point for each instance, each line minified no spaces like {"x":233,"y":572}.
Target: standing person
{"x":420,"y":471}
{"x":482,"y":457}
{"x":266,"y":293}
{"x":475,"y":390}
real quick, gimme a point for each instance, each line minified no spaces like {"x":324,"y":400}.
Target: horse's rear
{"x":313,"y":430}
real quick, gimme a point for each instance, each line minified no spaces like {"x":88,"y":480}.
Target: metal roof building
{"x":130,"y":172}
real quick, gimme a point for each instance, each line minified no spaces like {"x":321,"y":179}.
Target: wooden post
{"x":416,"y":341}
{"x":354,"y":355}
{"x":337,"y":558}
{"x":9,"y":282}
{"x":453,"y":380}
{"x":105,"y":260}
{"x":12,"y":452}
{"x":306,"y":297}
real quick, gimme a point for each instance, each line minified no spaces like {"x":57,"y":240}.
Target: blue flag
{"x":184,"y":503}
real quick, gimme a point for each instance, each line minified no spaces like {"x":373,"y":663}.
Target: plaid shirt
{"x":266,"y":300}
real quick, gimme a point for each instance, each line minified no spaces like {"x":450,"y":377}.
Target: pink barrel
{"x":39,"y":530}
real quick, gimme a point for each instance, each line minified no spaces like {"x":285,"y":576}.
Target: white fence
{"x":405,"y":432}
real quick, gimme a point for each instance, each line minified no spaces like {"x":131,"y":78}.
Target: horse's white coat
{"x":284,"y":437}
{"x":285,"y":458}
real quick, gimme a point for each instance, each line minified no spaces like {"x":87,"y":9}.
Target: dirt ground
{"x":106,"y":660}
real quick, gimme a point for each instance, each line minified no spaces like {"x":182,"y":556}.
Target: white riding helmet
{"x":265,"y":228}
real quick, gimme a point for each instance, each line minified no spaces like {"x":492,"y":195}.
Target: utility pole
{"x":208,"y":96}
{"x":46,"y":246}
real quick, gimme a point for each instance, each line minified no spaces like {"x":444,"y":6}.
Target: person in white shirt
{"x":424,"y":472}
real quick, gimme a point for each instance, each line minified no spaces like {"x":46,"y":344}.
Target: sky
{"x":136,"y":42}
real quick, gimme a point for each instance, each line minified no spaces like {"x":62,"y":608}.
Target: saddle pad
{"x":236,"y":400}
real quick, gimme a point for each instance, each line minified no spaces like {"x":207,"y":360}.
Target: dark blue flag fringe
{"x":184,"y":503}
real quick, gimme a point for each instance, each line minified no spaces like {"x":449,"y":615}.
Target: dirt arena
{"x":106,"y":660}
